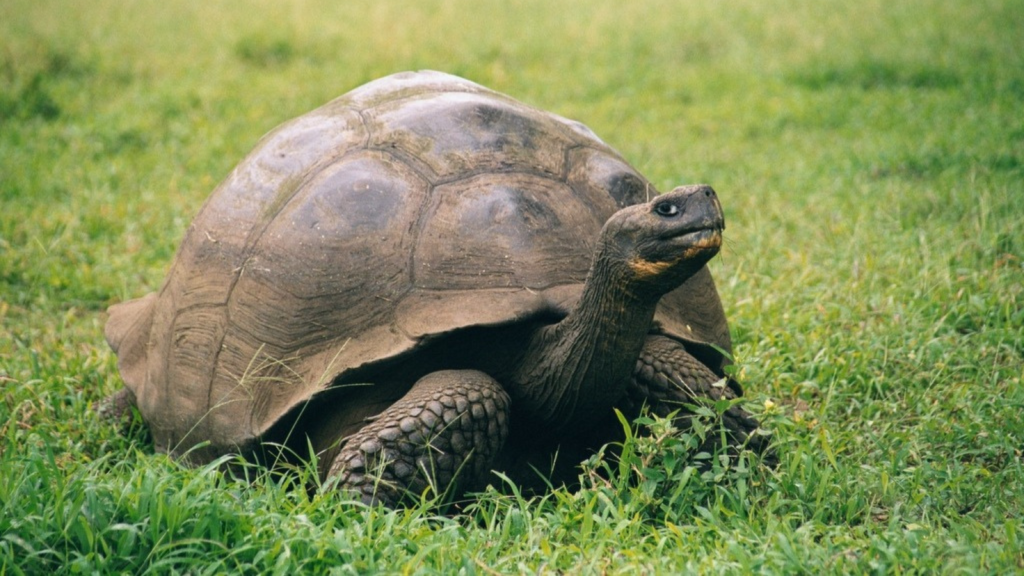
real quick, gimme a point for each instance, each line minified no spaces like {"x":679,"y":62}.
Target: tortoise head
{"x":656,"y":246}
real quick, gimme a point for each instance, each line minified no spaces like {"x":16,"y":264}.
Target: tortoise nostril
{"x":709,"y":192}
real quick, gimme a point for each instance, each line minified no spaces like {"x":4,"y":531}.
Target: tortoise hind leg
{"x":115,"y":407}
{"x":667,"y":378}
{"x":443,"y":435}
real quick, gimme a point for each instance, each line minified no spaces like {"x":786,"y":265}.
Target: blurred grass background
{"x":870,"y":157}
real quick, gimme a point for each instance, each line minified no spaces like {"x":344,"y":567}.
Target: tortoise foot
{"x":116,"y":407}
{"x":442,"y":437}
{"x":668,"y":379}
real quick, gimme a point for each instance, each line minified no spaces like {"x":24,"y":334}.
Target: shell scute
{"x":455,"y":134}
{"x":504,"y":230}
{"x":335,"y":260}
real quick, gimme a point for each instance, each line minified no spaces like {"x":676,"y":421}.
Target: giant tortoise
{"x":424,"y":281}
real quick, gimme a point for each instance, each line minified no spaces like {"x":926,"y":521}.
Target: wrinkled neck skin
{"x":574,"y":371}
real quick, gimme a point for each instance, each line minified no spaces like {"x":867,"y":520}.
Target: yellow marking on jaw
{"x":702,"y":245}
{"x":646,"y":268}
{"x":713,"y":241}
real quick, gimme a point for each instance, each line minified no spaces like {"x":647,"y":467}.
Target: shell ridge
{"x":415,"y":232}
{"x":474,"y":89}
{"x":418,"y":167}
{"x":361,"y":112}
{"x":470,"y":174}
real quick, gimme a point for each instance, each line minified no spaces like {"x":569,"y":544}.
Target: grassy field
{"x":870,"y":157}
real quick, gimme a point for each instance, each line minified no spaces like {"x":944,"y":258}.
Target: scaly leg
{"x":667,"y":378}
{"x":115,"y":407}
{"x":444,"y":434}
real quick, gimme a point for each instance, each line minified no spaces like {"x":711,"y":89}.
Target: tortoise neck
{"x":575,"y":371}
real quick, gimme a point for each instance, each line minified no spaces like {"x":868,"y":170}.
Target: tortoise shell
{"x":407,"y":210}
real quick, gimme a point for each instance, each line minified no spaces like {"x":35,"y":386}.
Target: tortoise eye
{"x":666,"y":209}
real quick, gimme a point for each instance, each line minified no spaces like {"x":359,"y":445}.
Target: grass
{"x":870,"y":157}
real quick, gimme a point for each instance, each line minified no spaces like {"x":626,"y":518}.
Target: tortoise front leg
{"x":668,"y":378}
{"x":444,"y":434}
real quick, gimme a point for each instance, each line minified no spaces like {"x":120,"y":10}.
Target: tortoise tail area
{"x":127,"y":332}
